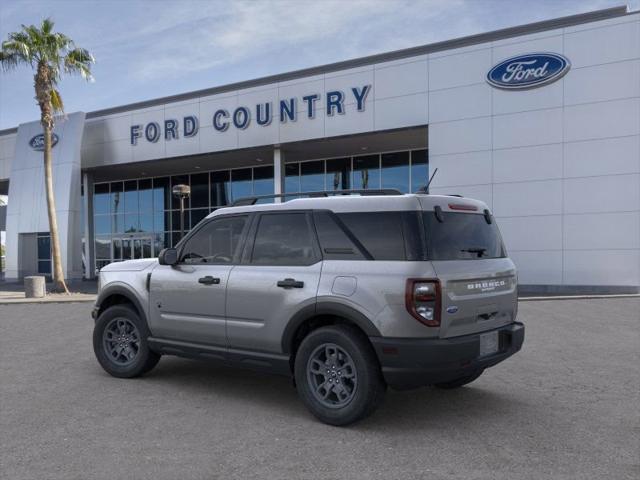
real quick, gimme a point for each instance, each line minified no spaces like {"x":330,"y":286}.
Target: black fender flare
{"x":326,"y":308}
{"x":122,"y":290}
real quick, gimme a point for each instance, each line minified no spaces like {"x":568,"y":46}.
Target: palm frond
{"x":56,"y":101}
{"x":79,"y":61}
{"x":47,"y":26}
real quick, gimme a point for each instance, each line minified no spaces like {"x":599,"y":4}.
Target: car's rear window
{"x":461,"y":236}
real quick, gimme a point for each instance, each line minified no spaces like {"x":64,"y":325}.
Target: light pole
{"x":182,"y":192}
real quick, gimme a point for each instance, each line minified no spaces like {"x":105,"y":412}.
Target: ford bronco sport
{"x":347,"y":294}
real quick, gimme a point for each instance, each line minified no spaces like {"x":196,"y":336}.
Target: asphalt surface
{"x":567,"y":406}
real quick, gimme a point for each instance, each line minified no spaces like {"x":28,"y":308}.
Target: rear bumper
{"x":410,"y":363}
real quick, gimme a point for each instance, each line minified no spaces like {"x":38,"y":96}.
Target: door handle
{"x":209,"y":280}
{"x":290,"y":283}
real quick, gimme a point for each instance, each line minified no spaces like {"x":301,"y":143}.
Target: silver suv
{"x":347,"y":294}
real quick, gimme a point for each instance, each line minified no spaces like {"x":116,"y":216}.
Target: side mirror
{"x":168,"y":256}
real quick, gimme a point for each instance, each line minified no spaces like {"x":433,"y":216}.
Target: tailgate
{"x":477,"y":295}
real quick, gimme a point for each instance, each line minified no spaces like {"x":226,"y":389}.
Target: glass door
{"x":132,"y":247}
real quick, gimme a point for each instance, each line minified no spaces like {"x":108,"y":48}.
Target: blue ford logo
{"x":452,"y":309}
{"x":528,"y":71}
{"x":37,"y":142}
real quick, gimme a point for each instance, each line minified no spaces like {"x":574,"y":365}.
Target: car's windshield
{"x":461,"y":236}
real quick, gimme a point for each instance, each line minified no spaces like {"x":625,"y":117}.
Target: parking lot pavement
{"x":567,"y":406}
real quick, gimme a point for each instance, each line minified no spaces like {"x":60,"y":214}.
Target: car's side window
{"x":215,"y":243}
{"x":284,"y":239}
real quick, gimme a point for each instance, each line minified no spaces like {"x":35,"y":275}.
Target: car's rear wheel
{"x":120,"y":343}
{"x":459,"y":382}
{"x":338,"y":376}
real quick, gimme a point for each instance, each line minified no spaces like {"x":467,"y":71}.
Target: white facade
{"x":559,"y":164}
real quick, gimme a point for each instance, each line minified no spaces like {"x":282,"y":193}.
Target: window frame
{"x":235,"y":260}
{"x":252,"y":234}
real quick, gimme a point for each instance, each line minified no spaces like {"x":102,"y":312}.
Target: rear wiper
{"x":479,"y":251}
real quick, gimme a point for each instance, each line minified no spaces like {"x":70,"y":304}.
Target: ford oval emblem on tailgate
{"x":452,"y":309}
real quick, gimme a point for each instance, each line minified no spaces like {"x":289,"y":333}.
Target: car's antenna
{"x":426,"y":189}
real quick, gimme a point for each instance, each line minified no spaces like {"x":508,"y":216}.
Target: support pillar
{"x":89,"y":254}
{"x":278,"y":173}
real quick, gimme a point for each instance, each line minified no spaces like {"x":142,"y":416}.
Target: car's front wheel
{"x":120,"y":343}
{"x":338,"y":376}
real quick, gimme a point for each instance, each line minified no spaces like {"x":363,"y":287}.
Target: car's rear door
{"x":278,"y":277}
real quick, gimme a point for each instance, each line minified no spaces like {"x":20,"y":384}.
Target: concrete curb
{"x":69,"y":299}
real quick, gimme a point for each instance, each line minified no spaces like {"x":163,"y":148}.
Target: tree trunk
{"x":59,"y":284}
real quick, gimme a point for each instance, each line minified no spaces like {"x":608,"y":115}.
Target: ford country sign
{"x":528,"y":71}
{"x":37,"y":142}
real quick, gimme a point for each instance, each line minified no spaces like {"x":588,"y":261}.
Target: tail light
{"x":422,"y":298}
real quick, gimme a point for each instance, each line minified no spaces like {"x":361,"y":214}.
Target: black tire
{"x":366,"y":389}
{"x":135,"y":357}
{"x":459,"y":382}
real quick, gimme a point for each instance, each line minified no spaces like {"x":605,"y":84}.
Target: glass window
{"x":338,"y":174}
{"x":161,"y":194}
{"x":101,"y":198}
{"x":117,"y":223}
{"x":127,"y":245}
{"x":103,"y":248}
{"x":131,"y":222}
{"x":292,"y":178}
{"x":161,"y":221}
{"x":159,"y":242}
{"x":175,"y":238}
{"x":198,"y":215}
{"x":395,"y":171}
{"x":216,"y":242}
{"x":145,"y":195}
{"x":379,"y":232}
{"x":366,"y":172}
{"x":283,"y":239}
{"x":117,"y":248}
{"x":263,"y":180}
{"x":462,"y":236}
{"x":200,"y":190}
{"x":116,"y":198}
{"x":146,"y":222}
{"x":179,"y":180}
{"x":220,"y":188}
{"x":102,"y":224}
{"x":419,"y":169}
{"x":44,"y":267}
{"x":131,"y":203}
{"x":334,"y":240}
{"x":241,"y":183}
{"x":44,"y":247}
{"x":175,"y":220}
{"x":312,"y":176}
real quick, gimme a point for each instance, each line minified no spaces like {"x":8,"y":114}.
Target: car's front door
{"x":187,"y":300}
{"x":278,"y":277}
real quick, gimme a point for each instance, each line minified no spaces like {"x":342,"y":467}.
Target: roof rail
{"x":245,"y":201}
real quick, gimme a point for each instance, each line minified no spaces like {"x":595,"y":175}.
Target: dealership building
{"x":540,"y":121}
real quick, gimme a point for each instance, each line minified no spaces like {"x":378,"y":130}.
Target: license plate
{"x":488,"y":343}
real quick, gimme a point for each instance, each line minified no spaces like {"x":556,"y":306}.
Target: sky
{"x":149,"y":49}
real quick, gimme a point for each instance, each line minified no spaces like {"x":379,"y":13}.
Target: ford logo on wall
{"x":528,"y":71}
{"x":37,"y":142}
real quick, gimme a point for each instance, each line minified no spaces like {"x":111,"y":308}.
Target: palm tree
{"x":50,"y":55}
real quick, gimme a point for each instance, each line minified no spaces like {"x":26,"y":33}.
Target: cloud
{"x":177,"y":42}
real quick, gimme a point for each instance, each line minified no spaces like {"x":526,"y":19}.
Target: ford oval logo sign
{"x":37,"y":142}
{"x":528,"y":71}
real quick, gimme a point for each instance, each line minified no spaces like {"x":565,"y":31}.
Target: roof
{"x":371,"y":59}
{"x":353,"y":203}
